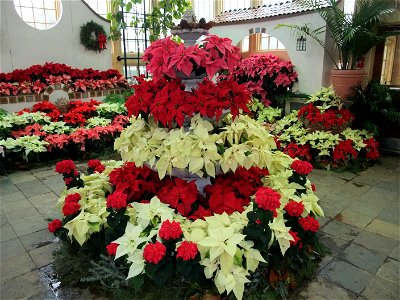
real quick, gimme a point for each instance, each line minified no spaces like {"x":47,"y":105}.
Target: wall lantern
{"x":301,"y":44}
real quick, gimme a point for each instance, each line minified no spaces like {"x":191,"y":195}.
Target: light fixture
{"x":301,"y":44}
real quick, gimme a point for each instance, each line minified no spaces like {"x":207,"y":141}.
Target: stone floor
{"x":361,"y":229}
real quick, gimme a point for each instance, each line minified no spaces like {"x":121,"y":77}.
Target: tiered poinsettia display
{"x":44,"y":128}
{"x":320,"y":133}
{"x":35,"y":79}
{"x":202,"y":194}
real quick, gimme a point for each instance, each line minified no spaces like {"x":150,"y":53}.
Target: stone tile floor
{"x":361,"y":229}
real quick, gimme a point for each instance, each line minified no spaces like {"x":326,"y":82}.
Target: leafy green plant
{"x":118,"y":98}
{"x":352,"y":35}
{"x":160,"y":19}
{"x":374,"y":107}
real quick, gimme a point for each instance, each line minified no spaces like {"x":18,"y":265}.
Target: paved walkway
{"x":361,"y":229}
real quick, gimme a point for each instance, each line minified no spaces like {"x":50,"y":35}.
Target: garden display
{"x":82,"y":127}
{"x":202,"y":202}
{"x":320,"y":133}
{"x":35,"y":79}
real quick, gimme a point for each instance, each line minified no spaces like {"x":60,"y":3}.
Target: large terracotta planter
{"x":343,"y":81}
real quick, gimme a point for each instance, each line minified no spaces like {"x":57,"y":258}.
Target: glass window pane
{"x":245,"y":44}
{"x":38,"y":3}
{"x":50,"y":4}
{"x":273,"y":43}
{"x":27,"y":3}
{"x":280,"y":45}
{"x":40,"y":26}
{"x":27,"y":14}
{"x":39,"y":15}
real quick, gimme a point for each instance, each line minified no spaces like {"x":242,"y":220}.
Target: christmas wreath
{"x":93,"y":36}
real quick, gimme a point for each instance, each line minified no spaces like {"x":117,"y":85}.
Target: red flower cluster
{"x":29,"y":130}
{"x":265,"y":75}
{"x":168,"y":103}
{"x":296,"y":239}
{"x":166,"y":57}
{"x":298,"y":151}
{"x":187,"y":251}
{"x":170,"y":230}
{"x":95,"y":166}
{"x":54,"y":225}
{"x":66,"y":167}
{"x":372,"y":149}
{"x":301,"y":167}
{"x":48,"y":108}
{"x":36,"y":78}
{"x":231,"y":192}
{"x":75,"y":197}
{"x":327,"y":120}
{"x":268,"y":199}
{"x":344,"y":151}
{"x":117,"y":200}
{"x":135,"y":182}
{"x":178,"y":194}
{"x":309,"y":224}
{"x":154,"y":253}
{"x":70,"y":208}
{"x":294,"y":209}
{"x":112,"y":249}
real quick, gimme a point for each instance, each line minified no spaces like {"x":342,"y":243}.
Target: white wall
{"x":23,"y":45}
{"x":311,"y":65}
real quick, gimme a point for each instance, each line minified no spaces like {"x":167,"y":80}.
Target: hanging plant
{"x":93,"y":36}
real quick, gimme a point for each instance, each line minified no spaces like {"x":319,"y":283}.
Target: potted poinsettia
{"x":353,"y":36}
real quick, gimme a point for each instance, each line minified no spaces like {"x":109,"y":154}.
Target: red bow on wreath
{"x":102,"y":40}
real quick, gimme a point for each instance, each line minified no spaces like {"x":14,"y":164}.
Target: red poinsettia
{"x":372,"y":149}
{"x":301,"y":167}
{"x":54,"y":225}
{"x":294,"y":208}
{"x":170,"y":230}
{"x":112,"y":249}
{"x":268,"y":199}
{"x":117,"y":200}
{"x":179,"y":194}
{"x":309,"y":223}
{"x":344,"y":151}
{"x":187,"y":251}
{"x":298,"y":151}
{"x":154,"y":252}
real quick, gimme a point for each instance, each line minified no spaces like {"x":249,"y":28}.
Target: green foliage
{"x":118,"y":98}
{"x":3,"y":112}
{"x":374,"y":107}
{"x":264,"y":113}
{"x":161,"y":18}
{"x":352,"y":35}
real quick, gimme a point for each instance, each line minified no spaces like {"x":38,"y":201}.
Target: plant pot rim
{"x":340,"y":71}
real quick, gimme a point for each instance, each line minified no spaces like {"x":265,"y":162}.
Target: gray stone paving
{"x":361,"y":230}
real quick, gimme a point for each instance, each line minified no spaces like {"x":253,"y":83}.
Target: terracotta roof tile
{"x":265,"y":11}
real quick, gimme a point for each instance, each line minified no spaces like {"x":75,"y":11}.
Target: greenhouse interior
{"x":200,"y":149}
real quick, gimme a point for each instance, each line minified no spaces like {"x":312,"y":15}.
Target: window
{"x":40,"y":14}
{"x":270,"y":2}
{"x":349,"y":6}
{"x":270,"y":43}
{"x":236,"y":4}
{"x":203,"y":9}
{"x":100,"y":6}
{"x":246,"y":44}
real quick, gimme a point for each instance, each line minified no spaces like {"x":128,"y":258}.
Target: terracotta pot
{"x":343,"y":81}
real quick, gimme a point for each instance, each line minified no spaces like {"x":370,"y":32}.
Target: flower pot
{"x":343,"y":81}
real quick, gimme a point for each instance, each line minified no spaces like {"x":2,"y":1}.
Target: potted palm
{"x":353,"y":35}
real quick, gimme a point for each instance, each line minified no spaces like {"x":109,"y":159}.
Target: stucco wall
{"x":23,"y":45}
{"x":311,"y":65}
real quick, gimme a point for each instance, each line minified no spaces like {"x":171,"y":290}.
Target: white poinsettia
{"x":281,"y":232}
{"x":153,"y":212}
{"x":83,"y":225}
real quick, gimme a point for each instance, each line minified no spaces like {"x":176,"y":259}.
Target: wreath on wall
{"x":93,"y":36}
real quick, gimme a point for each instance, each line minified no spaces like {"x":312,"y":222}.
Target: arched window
{"x":270,"y":43}
{"x":204,"y":9}
{"x":236,"y":4}
{"x":245,"y":44}
{"x":102,"y":7}
{"x":40,"y":14}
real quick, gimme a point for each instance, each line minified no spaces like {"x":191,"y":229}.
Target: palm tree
{"x":353,"y":35}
